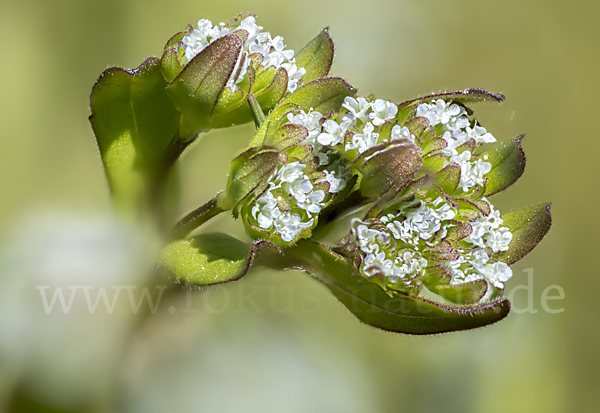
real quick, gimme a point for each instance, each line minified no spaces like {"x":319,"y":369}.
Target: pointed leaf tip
{"x":316,"y":57}
{"x":528,"y":226}
{"x":508,"y":164}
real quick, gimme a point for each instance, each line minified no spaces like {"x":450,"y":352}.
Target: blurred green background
{"x":280,"y":342}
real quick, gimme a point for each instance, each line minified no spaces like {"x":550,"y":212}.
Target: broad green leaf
{"x":370,"y":303}
{"x":316,"y":57}
{"x":133,"y":120}
{"x":528,"y":226}
{"x":207,"y":259}
{"x":508,"y":163}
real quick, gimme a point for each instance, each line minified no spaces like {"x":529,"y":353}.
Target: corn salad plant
{"x":425,"y":250}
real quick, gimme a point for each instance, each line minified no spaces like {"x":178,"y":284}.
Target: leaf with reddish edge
{"x":401,"y":313}
{"x":133,"y":120}
{"x":272,"y":94}
{"x":170,"y":64}
{"x":444,"y":251}
{"x":459,"y":230}
{"x":480,"y":206}
{"x":249,"y":173}
{"x":465,"y":96}
{"x":528,"y":226}
{"x":286,"y":136}
{"x":316,"y":57}
{"x":197,"y":88}
{"x":448,"y":178}
{"x":388,"y":167}
{"x":508,"y":164}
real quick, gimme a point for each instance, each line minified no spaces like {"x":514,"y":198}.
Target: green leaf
{"x":273,"y":93}
{"x":133,"y":120}
{"x":196,"y":90}
{"x":473,"y":95}
{"x":370,"y":304}
{"x":388,"y":167}
{"x":467,"y":293}
{"x":207,"y":259}
{"x":248,"y":173}
{"x":528,"y":226}
{"x":316,"y":57}
{"x":170,"y":64}
{"x":286,"y":136}
{"x":322,"y":95}
{"x":508,"y":163}
{"x":448,"y":178}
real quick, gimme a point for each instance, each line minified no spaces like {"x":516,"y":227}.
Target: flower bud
{"x":213,"y":69}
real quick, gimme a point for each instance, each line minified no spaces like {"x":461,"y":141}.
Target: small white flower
{"x":497,"y":273}
{"x":453,"y":140}
{"x":441,"y":112}
{"x":290,"y":172}
{"x":374,"y":263}
{"x":471,"y":173}
{"x":480,"y":134}
{"x":267,"y":210}
{"x":311,"y":121}
{"x":312,"y":202}
{"x":294,"y":75}
{"x":250,"y":26}
{"x":333,"y":134}
{"x":334,"y":183}
{"x":299,"y":189}
{"x":499,"y":239}
{"x":290,"y":225}
{"x":382,"y":111}
{"x":278,"y":55}
{"x":401,"y":133}
{"x":358,"y":107}
{"x":363,"y":141}
{"x":424,"y":222}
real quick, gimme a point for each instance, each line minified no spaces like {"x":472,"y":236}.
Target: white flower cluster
{"x":401,"y":267}
{"x":289,"y":192}
{"x":370,"y":115}
{"x":291,"y":203}
{"x":417,"y":226}
{"x":473,"y":266}
{"x":272,"y":49}
{"x":321,"y":134}
{"x":457,"y":131}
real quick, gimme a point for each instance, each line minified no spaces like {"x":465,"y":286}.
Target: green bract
{"x":425,"y":251}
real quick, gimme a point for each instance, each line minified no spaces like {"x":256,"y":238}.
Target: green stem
{"x":308,"y":256}
{"x":171,"y":154}
{"x":196,"y":218}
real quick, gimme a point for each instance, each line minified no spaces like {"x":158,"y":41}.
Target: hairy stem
{"x":196,"y":218}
